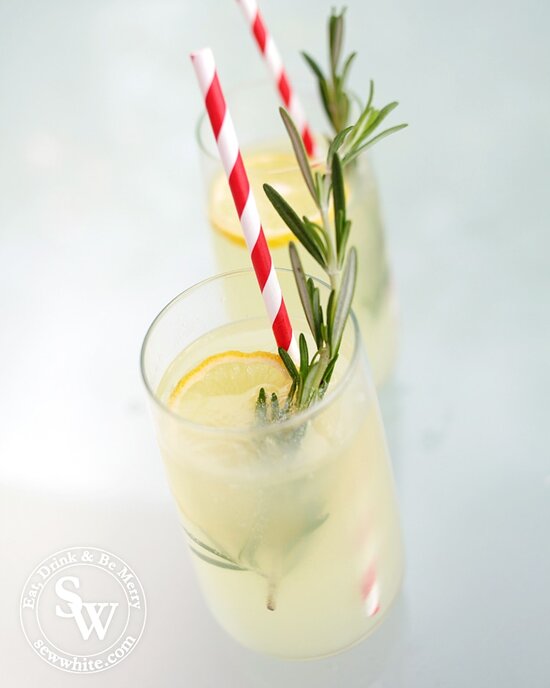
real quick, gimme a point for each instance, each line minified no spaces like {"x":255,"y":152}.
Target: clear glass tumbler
{"x":292,"y":526}
{"x":269,"y":158}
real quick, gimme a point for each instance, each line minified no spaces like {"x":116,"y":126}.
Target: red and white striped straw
{"x":232,"y":162}
{"x":271,"y":54}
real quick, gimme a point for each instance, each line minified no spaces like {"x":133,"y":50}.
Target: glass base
{"x":338,"y":651}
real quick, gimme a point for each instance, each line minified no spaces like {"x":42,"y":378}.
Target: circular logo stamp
{"x":83,"y":610}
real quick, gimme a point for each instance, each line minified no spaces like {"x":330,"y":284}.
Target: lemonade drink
{"x":292,"y":526}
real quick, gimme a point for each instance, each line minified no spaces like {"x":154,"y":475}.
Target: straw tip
{"x":250,"y":7}
{"x":201,"y":53}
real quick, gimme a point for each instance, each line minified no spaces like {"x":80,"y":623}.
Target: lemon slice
{"x":223,"y":389}
{"x":274,"y":167}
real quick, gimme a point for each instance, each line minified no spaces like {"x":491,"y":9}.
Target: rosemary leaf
{"x":310,"y":386}
{"x":316,"y":235}
{"x":330,"y":314}
{"x":363,"y":123}
{"x":216,"y":562}
{"x":328,"y":372}
{"x":289,"y":365}
{"x":302,"y":286}
{"x":385,"y":111}
{"x":344,"y":299}
{"x":293,"y":222}
{"x":317,"y":315}
{"x":339,"y":227}
{"x":350,"y":157}
{"x":275,"y":409}
{"x":208,"y":548}
{"x":261,"y":406}
{"x":337,"y":142}
{"x":336,"y":33}
{"x":314,"y":66}
{"x":374,"y":119}
{"x":324,"y":91}
{"x":344,"y":236}
{"x":290,"y":397}
{"x":338,"y":197}
{"x":299,"y":152}
{"x":304,"y":355}
{"x":346,"y":67}
{"x":371,"y":94}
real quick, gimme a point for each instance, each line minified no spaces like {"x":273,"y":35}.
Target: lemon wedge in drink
{"x":274,"y":166}
{"x":223,"y":389}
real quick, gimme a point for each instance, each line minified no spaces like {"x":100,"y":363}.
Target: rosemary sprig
{"x":327,"y":244}
{"x":334,"y":96}
{"x":245,"y":561}
{"x":337,"y":100}
{"x":326,"y":241}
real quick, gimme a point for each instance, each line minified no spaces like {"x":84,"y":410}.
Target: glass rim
{"x":241,"y":88}
{"x":249,"y":431}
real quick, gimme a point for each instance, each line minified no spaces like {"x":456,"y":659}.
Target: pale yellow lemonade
{"x":374,"y":303}
{"x":293,"y":531}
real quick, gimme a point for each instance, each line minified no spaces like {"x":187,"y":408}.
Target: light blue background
{"x":101,"y":223}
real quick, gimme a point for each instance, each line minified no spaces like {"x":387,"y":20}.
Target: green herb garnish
{"x":327,"y":241}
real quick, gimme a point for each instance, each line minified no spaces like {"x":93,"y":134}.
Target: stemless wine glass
{"x":269,"y":158}
{"x":292,"y":526}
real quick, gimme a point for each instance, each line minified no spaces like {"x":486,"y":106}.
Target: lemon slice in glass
{"x":223,"y":389}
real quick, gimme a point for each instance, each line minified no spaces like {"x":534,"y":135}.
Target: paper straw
{"x":271,"y":55}
{"x":232,"y":162}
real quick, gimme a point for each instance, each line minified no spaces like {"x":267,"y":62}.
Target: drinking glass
{"x":292,"y":526}
{"x":269,"y":158}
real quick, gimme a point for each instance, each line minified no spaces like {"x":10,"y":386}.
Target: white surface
{"x":101,"y":223}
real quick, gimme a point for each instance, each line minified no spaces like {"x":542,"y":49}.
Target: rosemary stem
{"x":271,"y":590}
{"x":324,"y":358}
{"x":332,"y":269}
